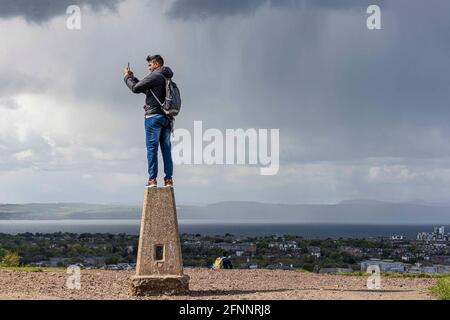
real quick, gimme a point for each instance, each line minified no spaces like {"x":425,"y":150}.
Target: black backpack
{"x":172,"y":104}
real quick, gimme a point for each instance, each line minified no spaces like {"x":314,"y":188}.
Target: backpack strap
{"x":171,"y":119}
{"x":154,"y":95}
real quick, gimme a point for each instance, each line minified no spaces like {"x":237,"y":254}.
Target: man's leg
{"x":166,"y":149}
{"x":152,"y":133}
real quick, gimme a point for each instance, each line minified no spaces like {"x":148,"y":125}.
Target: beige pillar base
{"x":159,"y":266}
{"x":159,"y":284}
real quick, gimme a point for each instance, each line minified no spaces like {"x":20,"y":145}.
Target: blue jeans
{"x":157,"y":132}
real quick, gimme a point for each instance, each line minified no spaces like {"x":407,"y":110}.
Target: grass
{"x":420,"y":275}
{"x":30,"y":269}
{"x":302,"y":270}
{"x":442,"y":289}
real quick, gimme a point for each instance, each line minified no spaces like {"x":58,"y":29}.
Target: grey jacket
{"x":154,"y":81}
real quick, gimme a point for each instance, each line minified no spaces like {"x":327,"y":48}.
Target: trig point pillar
{"x":159,"y":268}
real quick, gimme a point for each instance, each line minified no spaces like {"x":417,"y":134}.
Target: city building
{"x":384,"y":265}
{"x":243,"y":248}
{"x":438,"y":234}
{"x":284,"y":246}
{"x":314,"y":251}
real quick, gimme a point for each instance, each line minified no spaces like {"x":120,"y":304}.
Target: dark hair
{"x":225,"y":253}
{"x":156,"y":57}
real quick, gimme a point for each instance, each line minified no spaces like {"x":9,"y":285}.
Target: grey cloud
{"x":18,"y":82}
{"x":39,"y":11}
{"x":343,"y":94}
{"x":202,"y":9}
{"x":8,"y":103}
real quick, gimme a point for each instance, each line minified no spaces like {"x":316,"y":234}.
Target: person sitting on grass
{"x":222,"y":262}
{"x":226,"y":261}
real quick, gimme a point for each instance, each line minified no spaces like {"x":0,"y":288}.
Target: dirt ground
{"x":208,"y":284}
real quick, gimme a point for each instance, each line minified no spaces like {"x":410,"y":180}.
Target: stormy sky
{"x":362,"y":113}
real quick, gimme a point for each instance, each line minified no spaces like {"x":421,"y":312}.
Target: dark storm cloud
{"x":38,"y":11}
{"x":189,"y":9}
{"x":201,"y":9}
{"x":345,"y":92}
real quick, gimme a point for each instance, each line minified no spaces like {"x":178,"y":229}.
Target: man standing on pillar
{"x":158,"y":125}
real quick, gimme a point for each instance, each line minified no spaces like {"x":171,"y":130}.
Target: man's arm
{"x":142,"y":86}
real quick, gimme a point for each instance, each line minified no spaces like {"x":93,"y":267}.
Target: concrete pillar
{"x":159,"y":268}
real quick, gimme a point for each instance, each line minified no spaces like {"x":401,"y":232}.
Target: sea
{"x":214,"y":227}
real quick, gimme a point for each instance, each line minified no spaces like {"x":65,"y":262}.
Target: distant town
{"x":429,"y":253}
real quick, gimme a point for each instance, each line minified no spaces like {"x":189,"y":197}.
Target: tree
{"x":11,"y":259}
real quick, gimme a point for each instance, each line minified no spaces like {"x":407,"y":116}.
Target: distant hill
{"x":376,"y":212}
{"x":350,"y":211}
{"x":68,"y":211}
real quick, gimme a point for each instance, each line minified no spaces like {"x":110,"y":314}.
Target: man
{"x":158,"y":126}
{"x":226,"y":261}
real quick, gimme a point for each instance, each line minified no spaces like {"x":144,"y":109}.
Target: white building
{"x":439,"y":230}
{"x":314,"y":251}
{"x":438,"y":234}
{"x":384,"y":265}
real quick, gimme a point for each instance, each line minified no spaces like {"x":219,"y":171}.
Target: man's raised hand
{"x":128,"y":72}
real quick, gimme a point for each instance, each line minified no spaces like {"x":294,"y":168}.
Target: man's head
{"x":155,"y":62}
